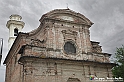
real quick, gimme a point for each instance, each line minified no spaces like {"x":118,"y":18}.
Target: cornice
{"x":15,"y":22}
{"x":32,"y":58}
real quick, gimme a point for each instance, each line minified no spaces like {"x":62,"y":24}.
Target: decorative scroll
{"x":37,"y":42}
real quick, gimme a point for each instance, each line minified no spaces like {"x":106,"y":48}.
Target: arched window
{"x":69,"y":47}
{"x":15,"y":32}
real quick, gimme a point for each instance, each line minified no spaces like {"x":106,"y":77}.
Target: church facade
{"x":59,"y":50}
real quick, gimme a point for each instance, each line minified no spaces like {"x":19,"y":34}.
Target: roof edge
{"x":19,"y":35}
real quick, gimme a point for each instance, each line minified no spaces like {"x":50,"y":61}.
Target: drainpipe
{"x":1,"y":49}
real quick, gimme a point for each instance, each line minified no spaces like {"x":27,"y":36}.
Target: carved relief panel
{"x":69,"y":34}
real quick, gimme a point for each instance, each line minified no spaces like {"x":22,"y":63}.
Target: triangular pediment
{"x":67,"y":15}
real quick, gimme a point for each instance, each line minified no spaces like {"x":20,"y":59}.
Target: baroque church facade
{"x":59,"y":50}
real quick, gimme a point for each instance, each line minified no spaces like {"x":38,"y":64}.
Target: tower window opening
{"x":15,"y":32}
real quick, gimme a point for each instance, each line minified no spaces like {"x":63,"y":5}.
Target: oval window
{"x":69,"y":47}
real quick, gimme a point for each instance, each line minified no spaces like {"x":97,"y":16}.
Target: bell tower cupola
{"x":15,"y":25}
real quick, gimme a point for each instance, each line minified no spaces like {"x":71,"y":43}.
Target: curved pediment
{"x":67,"y":15}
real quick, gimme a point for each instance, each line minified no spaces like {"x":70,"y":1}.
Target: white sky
{"x":107,"y":16}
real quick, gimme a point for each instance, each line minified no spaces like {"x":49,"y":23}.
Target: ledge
{"x":35,"y":57}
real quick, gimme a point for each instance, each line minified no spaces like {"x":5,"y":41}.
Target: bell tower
{"x":15,"y":25}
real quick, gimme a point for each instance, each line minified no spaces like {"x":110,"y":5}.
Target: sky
{"x":107,"y":16}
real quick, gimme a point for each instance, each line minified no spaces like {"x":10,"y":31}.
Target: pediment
{"x":67,"y":15}
{"x":64,"y":15}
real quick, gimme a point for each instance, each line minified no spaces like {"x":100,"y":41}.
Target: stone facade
{"x":42,"y":54}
